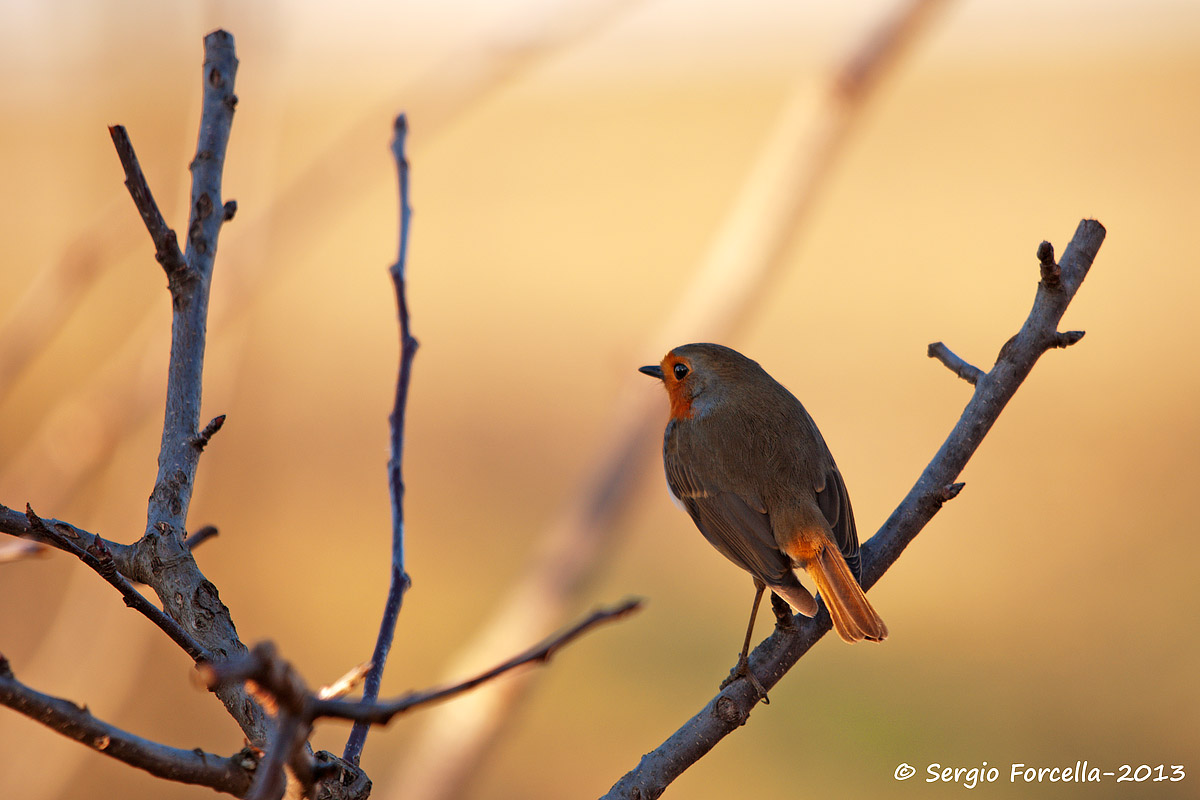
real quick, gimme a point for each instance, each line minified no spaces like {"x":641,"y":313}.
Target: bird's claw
{"x":742,"y":670}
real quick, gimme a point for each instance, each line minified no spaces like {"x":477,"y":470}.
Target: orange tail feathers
{"x":853,"y":617}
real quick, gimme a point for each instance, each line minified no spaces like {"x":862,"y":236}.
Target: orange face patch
{"x":676,"y":371}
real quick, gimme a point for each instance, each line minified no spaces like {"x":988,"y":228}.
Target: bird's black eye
{"x":680,"y":371}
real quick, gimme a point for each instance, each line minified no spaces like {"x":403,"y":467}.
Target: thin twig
{"x":779,"y":652}
{"x":400,"y":582}
{"x":231,"y":775}
{"x":100,"y":559}
{"x":382,"y":713}
{"x":968,"y":372}
{"x":166,"y":244}
{"x":296,"y":708}
{"x":201,"y":536}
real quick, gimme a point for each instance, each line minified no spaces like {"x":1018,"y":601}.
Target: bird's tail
{"x":853,"y":617}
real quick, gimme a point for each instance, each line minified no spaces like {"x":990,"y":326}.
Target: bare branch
{"x":100,"y":559}
{"x":382,"y":713}
{"x":201,"y":536}
{"x":231,"y":775}
{"x":400,"y":581}
{"x":295,"y":707}
{"x":164,"y":561}
{"x":178,"y":455}
{"x":779,"y":652}
{"x":278,"y":678}
{"x":968,"y":372}
{"x":166,"y":245}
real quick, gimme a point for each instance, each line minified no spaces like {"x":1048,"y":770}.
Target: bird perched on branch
{"x":746,"y":461}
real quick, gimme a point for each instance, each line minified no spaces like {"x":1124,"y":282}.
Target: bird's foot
{"x":783,"y":613}
{"x":742,"y":670}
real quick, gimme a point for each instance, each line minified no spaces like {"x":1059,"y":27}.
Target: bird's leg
{"x":742,"y":670}
{"x":783,"y":613}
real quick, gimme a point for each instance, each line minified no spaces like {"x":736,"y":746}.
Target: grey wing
{"x":834,"y":501}
{"x":741,"y":532}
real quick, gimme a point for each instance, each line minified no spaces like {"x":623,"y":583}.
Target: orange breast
{"x":681,"y":405}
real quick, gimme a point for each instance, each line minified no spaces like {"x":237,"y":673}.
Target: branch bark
{"x":400,"y":581}
{"x":778,"y":653}
{"x":16,"y":523}
{"x":231,"y":775}
{"x":295,"y":707}
{"x":99,"y":559}
{"x":163,"y":560}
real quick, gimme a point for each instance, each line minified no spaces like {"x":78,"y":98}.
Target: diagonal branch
{"x":231,"y":775}
{"x":382,"y":713}
{"x":775,"y":656}
{"x":15,"y":523}
{"x":400,"y":581}
{"x":100,"y":559}
{"x":166,"y":245}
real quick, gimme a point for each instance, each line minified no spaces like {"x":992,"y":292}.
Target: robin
{"x":747,"y":462}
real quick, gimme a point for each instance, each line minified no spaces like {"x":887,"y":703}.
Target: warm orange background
{"x":1048,"y":615}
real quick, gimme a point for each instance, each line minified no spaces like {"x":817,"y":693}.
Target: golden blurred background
{"x":572,"y":164}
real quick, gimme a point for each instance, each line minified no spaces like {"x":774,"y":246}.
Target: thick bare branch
{"x":231,"y":775}
{"x":775,"y":656}
{"x":400,"y":581}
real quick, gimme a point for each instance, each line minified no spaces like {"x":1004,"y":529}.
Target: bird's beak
{"x":654,"y":371}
